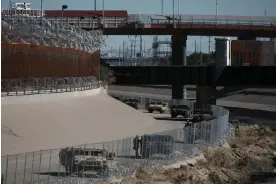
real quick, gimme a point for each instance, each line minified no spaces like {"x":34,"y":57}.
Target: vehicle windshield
{"x":180,"y":107}
{"x":88,"y":153}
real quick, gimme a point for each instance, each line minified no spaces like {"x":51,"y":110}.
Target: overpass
{"x":195,"y":25}
{"x":119,"y":22}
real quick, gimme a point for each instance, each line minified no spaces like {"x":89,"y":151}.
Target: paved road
{"x":249,"y":95}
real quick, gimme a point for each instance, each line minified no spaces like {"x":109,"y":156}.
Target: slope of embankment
{"x":48,"y":121}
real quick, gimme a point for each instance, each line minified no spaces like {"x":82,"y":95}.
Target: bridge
{"x":121,"y":23}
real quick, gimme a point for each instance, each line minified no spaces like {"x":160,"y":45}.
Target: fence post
{"x":15,"y":172}
{"x":7,"y":167}
{"x":40,"y":157}
{"x":25,"y":168}
{"x":32,"y":168}
{"x":49,"y":170}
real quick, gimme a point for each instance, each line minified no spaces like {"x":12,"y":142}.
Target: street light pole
{"x":95,"y":4}
{"x":64,"y":7}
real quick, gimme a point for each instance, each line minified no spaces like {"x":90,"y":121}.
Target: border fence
{"x":116,"y":158}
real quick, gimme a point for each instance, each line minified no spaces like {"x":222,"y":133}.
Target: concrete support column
{"x":205,"y":95}
{"x":178,"y":59}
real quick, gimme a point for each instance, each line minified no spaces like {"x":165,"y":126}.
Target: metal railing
{"x":202,"y":19}
{"x":158,"y":149}
{"x":30,"y":86}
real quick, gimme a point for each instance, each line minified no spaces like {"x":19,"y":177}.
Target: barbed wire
{"x":33,"y":30}
{"x":47,"y":84}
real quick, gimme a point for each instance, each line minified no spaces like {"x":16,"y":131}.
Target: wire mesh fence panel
{"x":30,"y":86}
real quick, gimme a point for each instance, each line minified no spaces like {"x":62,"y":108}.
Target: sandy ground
{"x":32,"y":123}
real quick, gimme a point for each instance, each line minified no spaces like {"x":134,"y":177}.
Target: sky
{"x":201,"y":7}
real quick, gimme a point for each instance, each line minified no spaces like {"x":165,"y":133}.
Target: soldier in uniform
{"x":136,"y":144}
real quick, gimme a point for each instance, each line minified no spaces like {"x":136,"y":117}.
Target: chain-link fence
{"x":97,"y":161}
{"x":27,"y":86}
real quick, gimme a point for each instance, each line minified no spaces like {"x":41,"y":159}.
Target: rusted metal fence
{"x":81,"y":163}
{"x":26,"y":60}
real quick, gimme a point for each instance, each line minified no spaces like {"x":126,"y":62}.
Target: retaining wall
{"x":26,"y":60}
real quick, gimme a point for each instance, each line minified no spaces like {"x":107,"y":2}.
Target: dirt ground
{"x":252,"y":150}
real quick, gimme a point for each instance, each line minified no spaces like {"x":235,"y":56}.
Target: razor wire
{"x":32,"y":85}
{"x":18,"y":29}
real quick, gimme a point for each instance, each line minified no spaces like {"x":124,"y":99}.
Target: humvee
{"x":161,"y":107}
{"x":182,"y":110}
{"x":132,"y":103}
{"x":152,"y":145}
{"x":80,"y":160}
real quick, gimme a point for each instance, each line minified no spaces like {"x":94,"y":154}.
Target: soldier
{"x":136,"y":145}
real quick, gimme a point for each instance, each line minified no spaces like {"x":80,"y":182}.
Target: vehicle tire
{"x":150,"y":110}
{"x":173,"y":116}
{"x":161,"y":111}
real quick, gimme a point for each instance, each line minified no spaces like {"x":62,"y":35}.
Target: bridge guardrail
{"x":157,"y":149}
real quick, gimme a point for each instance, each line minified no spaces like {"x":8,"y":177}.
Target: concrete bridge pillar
{"x":178,"y":59}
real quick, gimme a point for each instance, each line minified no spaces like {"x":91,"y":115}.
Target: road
{"x":258,"y":105}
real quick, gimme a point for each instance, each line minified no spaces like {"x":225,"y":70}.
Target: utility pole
{"x":216,"y":7}
{"x":162,"y":7}
{"x":173,"y":12}
{"x":123,"y":53}
{"x":200,"y":44}
{"x":195,"y":46}
{"x":209,"y":45}
{"x":178,"y":7}
{"x":95,"y":5}
{"x":216,"y":10}
{"x":141,"y":46}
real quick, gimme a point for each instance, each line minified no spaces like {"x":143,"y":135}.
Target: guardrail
{"x":30,"y":86}
{"x":155,"y":150}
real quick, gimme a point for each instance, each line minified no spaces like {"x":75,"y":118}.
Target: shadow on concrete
{"x":264,"y":177}
{"x":170,"y":119}
{"x":129,"y":157}
{"x":267,"y":118}
{"x":261,"y":93}
{"x":56,"y":174}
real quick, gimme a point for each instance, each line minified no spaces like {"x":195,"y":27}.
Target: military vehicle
{"x":87,"y":160}
{"x":160,"y":107}
{"x":156,"y":145}
{"x":132,"y":103}
{"x":180,"y":110}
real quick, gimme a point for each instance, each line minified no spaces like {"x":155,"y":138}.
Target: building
{"x":253,"y":53}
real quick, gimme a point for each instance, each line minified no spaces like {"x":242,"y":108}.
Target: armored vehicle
{"x":132,"y":103}
{"x":180,"y":110}
{"x":156,"y":145}
{"x":87,"y":160}
{"x":160,"y":107}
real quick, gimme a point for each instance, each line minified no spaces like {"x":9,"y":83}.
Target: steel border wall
{"x":27,"y":60}
{"x":44,"y":166}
